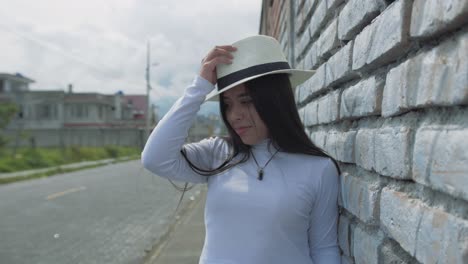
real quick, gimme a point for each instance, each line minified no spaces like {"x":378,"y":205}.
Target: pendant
{"x":260,"y":174}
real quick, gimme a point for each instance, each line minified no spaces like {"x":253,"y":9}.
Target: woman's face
{"x":242,"y":115}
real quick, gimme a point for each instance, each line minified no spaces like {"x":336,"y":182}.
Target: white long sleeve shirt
{"x":288,"y":217}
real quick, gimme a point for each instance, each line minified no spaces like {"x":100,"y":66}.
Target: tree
{"x":7,"y":112}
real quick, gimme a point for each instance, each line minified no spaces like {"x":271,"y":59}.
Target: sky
{"x":100,"y":45}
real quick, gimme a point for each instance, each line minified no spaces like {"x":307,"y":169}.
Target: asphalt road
{"x":109,"y":214}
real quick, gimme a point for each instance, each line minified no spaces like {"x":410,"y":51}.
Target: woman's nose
{"x":236,"y":113}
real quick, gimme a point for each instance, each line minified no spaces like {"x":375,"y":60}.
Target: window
{"x":46,"y":111}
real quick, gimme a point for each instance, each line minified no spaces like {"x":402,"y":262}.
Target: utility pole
{"x":148,"y":88}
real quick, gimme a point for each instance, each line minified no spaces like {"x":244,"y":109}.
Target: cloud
{"x":101,"y":45}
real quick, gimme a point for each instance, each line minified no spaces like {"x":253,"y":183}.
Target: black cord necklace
{"x":260,"y":169}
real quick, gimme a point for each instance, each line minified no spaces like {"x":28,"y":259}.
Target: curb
{"x":161,"y":243}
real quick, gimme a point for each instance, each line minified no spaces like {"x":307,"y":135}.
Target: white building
{"x":55,"y":118}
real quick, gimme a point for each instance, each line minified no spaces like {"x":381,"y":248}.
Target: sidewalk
{"x":184,"y":243}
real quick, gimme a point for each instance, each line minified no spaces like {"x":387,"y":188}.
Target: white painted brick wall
{"x":344,"y":235}
{"x":399,"y":217}
{"x":319,"y":138}
{"x":329,"y":107}
{"x":392,"y":152}
{"x":385,"y":38}
{"x":341,"y":145}
{"x":328,"y":40}
{"x":436,"y":77}
{"x":404,"y":132}
{"x":318,"y":18}
{"x":303,"y":41}
{"x":386,"y":150}
{"x":390,"y":254}
{"x":442,"y":238}
{"x":429,"y":234}
{"x":366,"y":246}
{"x":311,"y":57}
{"x":364,"y":148}
{"x":431,"y":17}
{"x":338,"y":67}
{"x":440,"y":159}
{"x":311,"y":114}
{"x":313,"y":85}
{"x":360,"y":198}
{"x":346,"y":260}
{"x":397,"y":92}
{"x":355,"y":15}
{"x":362,"y":99}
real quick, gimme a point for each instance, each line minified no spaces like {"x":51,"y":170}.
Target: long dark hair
{"x":273,"y":99}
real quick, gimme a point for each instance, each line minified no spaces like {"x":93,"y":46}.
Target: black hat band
{"x":251,"y":71}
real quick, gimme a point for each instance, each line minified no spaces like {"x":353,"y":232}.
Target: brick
{"x":366,"y":246}
{"x":391,"y":253}
{"x":399,"y":217}
{"x":311,"y":57}
{"x":429,"y":234}
{"x":431,"y":17}
{"x":318,"y":138}
{"x":308,"y":6}
{"x":397,"y":92}
{"x":440,"y":159}
{"x":392,"y":152}
{"x":345,"y":148}
{"x":364,"y":148}
{"x":385,"y":38}
{"x":308,"y":60}
{"x":341,"y":145}
{"x":332,"y":4}
{"x":443,"y":74}
{"x":328,"y":40}
{"x":331,"y":141}
{"x":328,"y":108}
{"x":438,"y":77}
{"x":355,"y":15}
{"x":362,"y":99}
{"x":360,"y":198}
{"x":442,"y":238}
{"x":318,"y":18}
{"x":301,"y":112}
{"x":312,"y":86}
{"x":344,"y":235}
{"x":346,"y":260}
{"x":303,"y":14}
{"x":303,"y":41}
{"x":299,"y":23}
{"x":338,"y":67}
{"x":317,"y":82}
{"x":311,"y":114}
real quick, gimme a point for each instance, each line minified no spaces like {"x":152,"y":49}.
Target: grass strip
{"x":60,"y":170}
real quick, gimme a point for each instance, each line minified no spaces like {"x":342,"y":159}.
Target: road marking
{"x":56,"y":195}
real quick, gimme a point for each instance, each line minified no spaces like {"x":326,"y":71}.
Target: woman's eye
{"x":246,"y":101}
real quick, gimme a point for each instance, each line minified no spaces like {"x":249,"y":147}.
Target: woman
{"x":272,"y":194}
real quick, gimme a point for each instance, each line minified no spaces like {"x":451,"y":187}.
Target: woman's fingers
{"x":219,"y":54}
{"x":217,"y":60}
{"x":220,"y":51}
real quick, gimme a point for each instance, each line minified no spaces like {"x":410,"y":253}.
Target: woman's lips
{"x":241,"y":130}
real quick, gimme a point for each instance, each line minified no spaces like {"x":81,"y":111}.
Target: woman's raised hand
{"x":219,"y":54}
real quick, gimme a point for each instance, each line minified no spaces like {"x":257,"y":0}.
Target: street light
{"x":148,"y":88}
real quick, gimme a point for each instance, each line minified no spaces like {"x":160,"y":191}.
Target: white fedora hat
{"x":255,"y":56}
